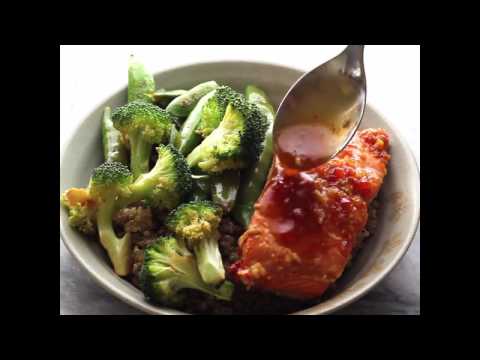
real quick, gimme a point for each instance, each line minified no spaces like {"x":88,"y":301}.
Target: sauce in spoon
{"x":323,"y":122}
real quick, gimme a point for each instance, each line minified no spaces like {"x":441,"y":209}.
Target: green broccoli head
{"x":194,"y":221}
{"x":81,"y":210}
{"x":235,"y":143}
{"x":168,"y":268}
{"x":109,"y":178}
{"x":108,"y":183}
{"x":167,"y":183}
{"x":82,"y":218}
{"x":214,"y":110}
{"x":197,"y":223}
{"x":144,"y":124}
{"x":152,"y":122}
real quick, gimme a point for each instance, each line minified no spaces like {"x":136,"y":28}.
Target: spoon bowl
{"x":322,"y":111}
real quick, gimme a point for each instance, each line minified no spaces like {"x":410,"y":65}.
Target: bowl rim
{"x":352,"y":297}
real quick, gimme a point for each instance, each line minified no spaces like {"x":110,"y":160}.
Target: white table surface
{"x":89,"y":74}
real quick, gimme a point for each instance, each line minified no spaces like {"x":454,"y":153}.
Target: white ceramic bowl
{"x":400,"y":196}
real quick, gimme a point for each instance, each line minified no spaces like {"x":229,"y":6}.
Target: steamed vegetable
{"x":214,"y":110}
{"x":113,"y":146}
{"x":169,"y":267}
{"x":141,"y":84}
{"x":166,"y":185}
{"x":235,"y":143}
{"x":163,"y":97}
{"x":110,"y":181}
{"x":174,"y":139}
{"x":189,"y":138}
{"x":81,"y":210}
{"x":183,"y":104}
{"x":145,"y":125}
{"x":205,"y":117}
{"x":197,"y":223}
{"x":176,"y":162}
{"x":253,"y":180}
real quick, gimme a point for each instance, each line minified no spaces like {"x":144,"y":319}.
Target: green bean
{"x":224,"y":189}
{"x":184,"y":104}
{"x":253,"y":180}
{"x":113,"y":147}
{"x":188,"y":136}
{"x":163,"y":97}
{"x":141,"y":84}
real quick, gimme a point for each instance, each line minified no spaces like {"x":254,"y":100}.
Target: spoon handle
{"x":354,"y":60}
{"x":354,"y":50}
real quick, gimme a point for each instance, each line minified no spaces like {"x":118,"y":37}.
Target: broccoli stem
{"x":145,"y":183}
{"x":113,"y":148}
{"x":158,"y":178}
{"x":118,"y":249}
{"x":140,"y":151}
{"x":192,"y":278}
{"x":209,"y":260}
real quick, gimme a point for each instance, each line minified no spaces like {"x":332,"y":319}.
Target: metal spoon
{"x":322,"y":111}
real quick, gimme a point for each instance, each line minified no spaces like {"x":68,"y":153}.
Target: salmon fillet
{"x":306,"y":224}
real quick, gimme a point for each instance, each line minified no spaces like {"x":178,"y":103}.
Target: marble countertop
{"x":82,"y":66}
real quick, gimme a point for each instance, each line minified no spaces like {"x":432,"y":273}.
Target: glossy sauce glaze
{"x":306,"y":223}
{"x":303,"y":205}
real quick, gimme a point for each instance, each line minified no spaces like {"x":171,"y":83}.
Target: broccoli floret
{"x":197,"y":223}
{"x":168,"y":268}
{"x":81,"y":210}
{"x":236,"y":142}
{"x":108,"y":183}
{"x":167,"y":183}
{"x":214,"y":110}
{"x":145,"y":125}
